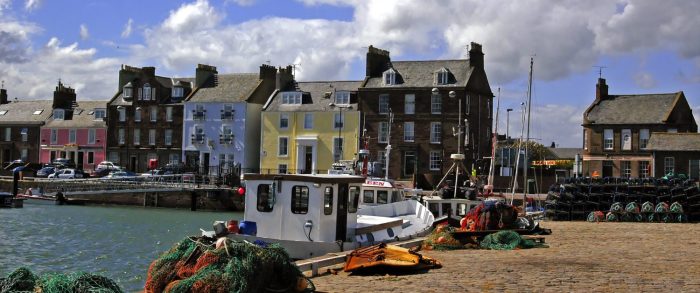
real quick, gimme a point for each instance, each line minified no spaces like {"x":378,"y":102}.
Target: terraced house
{"x":617,"y":130}
{"x":20,"y":123}
{"x":425,"y":98}
{"x":308,"y":126}
{"x":221,"y":130}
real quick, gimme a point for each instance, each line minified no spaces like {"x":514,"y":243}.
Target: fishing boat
{"x":38,"y":199}
{"x":312,"y":215}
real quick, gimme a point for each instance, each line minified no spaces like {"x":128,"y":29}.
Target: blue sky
{"x":645,"y":48}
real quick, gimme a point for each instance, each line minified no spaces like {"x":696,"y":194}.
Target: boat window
{"x":382,"y":196}
{"x":390,"y":232}
{"x":353,"y":199}
{"x":462,"y":209}
{"x":368,"y":196}
{"x":300,"y":199}
{"x":265,"y":200}
{"x":434,"y":208}
{"x":446,"y":209}
{"x":328,"y":201}
{"x":396,"y":196}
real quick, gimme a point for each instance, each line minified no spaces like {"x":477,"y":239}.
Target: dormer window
{"x":342,"y":98}
{"x":100,"y":114}
{"x":128,"y":91}
{"x":148,"y":93}
{"x":390,"y":77}
{"x":442,"y":76}
{"x":58,"y":114}
{"x":178,"y":92}
{"x":291,"y":98}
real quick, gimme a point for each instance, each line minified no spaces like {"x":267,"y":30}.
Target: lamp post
{"x":339,"y":125}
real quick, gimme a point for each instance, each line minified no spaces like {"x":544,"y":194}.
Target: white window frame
{"x":409,"y":131}
{"x":436,"y":104}
{"x":72,"y":135}
{"x":644,"y":171}
{"x":643,"y":138}
{"x":669,"y":165}
{"x":168,"y":137}
{"x":178,"y":92}
{"x":383,"y":104}
{"x":626,"y":145}
{"x":608,"y":139}
{"x":435,"y":160}
{"x":92,"y":135}
{"x":154,"y":114}
{"x":282,"y":169}
{"x":152,"y":137}
{"x":174,"y":158}
{"x":24,"y":132}
{"x":442,"y":76}
{"x":54,"y":136}
{"x":100,"y":113}
{"x":626,"y":169}
{"x":137,"y":115}
{"x":291,"y":98}
{"x":410,"y":104}
{"x":8,"y":134}
{"x":137,"y":136}
{"x":389,"y":77}
{"x":121,"y":138}
{"x":122,"y":114}
{"x":128,"y":91}
{"x":435,"y":132}
{"x":308,"y":120}
{"x":283,"y":151}
{"x":383,"y":132}
{"x":146,"y":94}
{"x":284,"y":121}
{"x":169,"y":114}
{"x":338,"y":120}
{"x":338,"y":144}
{"x":59,"y":114}
{"x":24,"y":154}
{"x":342,"y":98}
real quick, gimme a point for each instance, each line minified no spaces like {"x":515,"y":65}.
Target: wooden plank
{"x":370,"y":229}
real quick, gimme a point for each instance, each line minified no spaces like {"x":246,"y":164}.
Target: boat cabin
{"x":319,"y":208}
{"x":380,"y":191}
{"x":454,"y":208}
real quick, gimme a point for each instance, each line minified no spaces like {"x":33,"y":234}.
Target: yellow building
{"x":309,"y":126}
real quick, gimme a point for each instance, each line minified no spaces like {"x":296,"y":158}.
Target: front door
{"x":409,"y":163}
{"x":607,"y":169}
{"x":342,"y":220}
{"x":308,"y":159}
{"x":205,"y":163}
{"x":79,"y":161}
{"x":133,"y":163}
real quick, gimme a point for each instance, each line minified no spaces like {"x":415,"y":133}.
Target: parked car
{"x":68,"y":173}
{"x":45,"y":171}
{"x":63,"y":163}
{"x":122,"y":175}
{"x":108,"y":165}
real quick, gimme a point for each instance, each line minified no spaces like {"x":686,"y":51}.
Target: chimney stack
{"x":378,"y":61}
{"x":205,"y":76}
{"x":601,"y":90}
{"x":63,"y":97}
{"x":476,"y":55}
{"x":284,"y":78}
{"x":3,"y":97}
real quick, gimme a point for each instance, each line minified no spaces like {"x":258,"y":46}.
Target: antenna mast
{"x":600,"y":70}
{"x":527,"y":137}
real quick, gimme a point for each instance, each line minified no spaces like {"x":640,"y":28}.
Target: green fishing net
{"x":23,"y":280}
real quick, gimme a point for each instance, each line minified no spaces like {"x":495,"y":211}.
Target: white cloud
{"x":127,"y":28}
{"x":192,"y":17}
{"x":84,"y":34}
{"x":30,"y":5}
{"x":644,"y":80}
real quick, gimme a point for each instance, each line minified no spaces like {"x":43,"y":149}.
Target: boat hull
{"x":37,"y":200}
{"x":300,"y":249}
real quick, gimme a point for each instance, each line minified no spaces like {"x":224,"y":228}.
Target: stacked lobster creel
{"x":632,"y":212}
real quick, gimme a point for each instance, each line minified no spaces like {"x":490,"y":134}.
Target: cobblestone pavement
{"x":582,"y":256}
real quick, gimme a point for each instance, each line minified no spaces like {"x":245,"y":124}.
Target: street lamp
{"x":508,"y":122}
{"x":339,"y":125}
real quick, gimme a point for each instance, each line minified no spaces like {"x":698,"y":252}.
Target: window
{"x":174,"y":158}
{"x":282,"y":168}
{"x":91,"y":157}
{"x":441,"y":77}
{"x":383,"y":132}
{"x":644,"y":169}
{"x":300,"y":199}
{"x":585,"y":139}
{"x":71,"y":136}
{"x":368,"y":196}
{"x":626,"y":168}
{"x":266,"y":198}
{"x":337,"y":148}
{"x":342,"y":98}
{"x":435,"y":132}
{"x":384,"y":104}
{"x":24,"y":154}
{"x":436,"y":104}
{"x":284,"y":120}
{"x":146,"y":92}
{"x":291,"y":98}
{"x":626,"y":139}
{"x":100,"y":114}
{"x":226,"y":136}
{"x":169,"y":114}
{"x":198,"y":135}
{"x":137,"y":136}
{"x":92,"y":133}
{"x":151,"y":137}
{"x":178,"y":92}
{"x":382,"y":196}
{"x":669,"y":165}
{"x":199,"y":113}
{"x":128,"y":91}
{"x":54,"y":136}
{"x":469,"y":105}
{"x":137,"y":114}
{"x":24,"y":132}
{"x":282,"y":147}
{"x":154,"y":114}
{"x":227,"y":112}
{"x":114,"y":156}
{"x":381,"y":159}
{"x":353,"y":199}
{"x":121,"y":137}
{"x":390,"y":77}
{"x":168,"y":137}
{"x":410,"y":104}
{"x":122,"y":114}
{"x":409,"y":163}
{"x":643,"y":138}
{"x":8,"y":134}
{"x":308,"y":120}
{"x":608,"y":139}
{"x":338,"y":120}
{"x":38,"y":112}
{"x":408,"y":131}
{"x":328,"y":200}
{"x":58,"y":114}
{"x":435,"y":160}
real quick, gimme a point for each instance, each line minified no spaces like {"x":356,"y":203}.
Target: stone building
{"x":20,"y":123}
{"x":677,"y":153}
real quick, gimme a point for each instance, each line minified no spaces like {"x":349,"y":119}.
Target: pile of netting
{"x":196,"y":265}
{"x":633,"y":212}
{"x":490,"y":215}
{"x":441,"y":239}
{"x":506,"y":240}
{"x":23,"y":280}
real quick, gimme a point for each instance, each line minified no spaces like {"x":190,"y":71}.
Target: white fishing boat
{"x":312,"y":215}
{"x":37,"y":199}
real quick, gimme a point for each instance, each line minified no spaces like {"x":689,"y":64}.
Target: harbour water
{"x":116,"y":242}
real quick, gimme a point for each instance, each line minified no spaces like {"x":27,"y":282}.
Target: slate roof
{"x":317,"y":95}
{"x":83,"y":116}
{"x":565,"y":153}
{"x":422,"y":73}
{"x":633,"y":109}
{"x":230,"y":88}
{"x":23,"y":111}
{"x":665,"y":141}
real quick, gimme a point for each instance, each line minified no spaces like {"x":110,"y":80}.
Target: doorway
{"x":342,"y":207}
{"x":308,"y":159}
{"x":607,"y":169}
{"x":205,"y":164}
{"x":133,"y":163}
{"x":409,"y":163}
{"x":79,"y":161}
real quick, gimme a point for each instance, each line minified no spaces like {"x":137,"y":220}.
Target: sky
{"x":644,"y":46}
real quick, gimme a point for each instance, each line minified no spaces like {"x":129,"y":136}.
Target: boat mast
{"x":527,"y":136}
{"x":388,"y":146}
{"x":514,"y":186}
{"x":494,"y":143}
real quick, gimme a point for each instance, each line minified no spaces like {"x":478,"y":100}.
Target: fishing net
{"x":23,"y":280}
{"x":194,"y":265}
{"x":441,"y":239}
{"x":647,"y":207}
{"x":506,"y":240}
{"x":596,"y":216}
